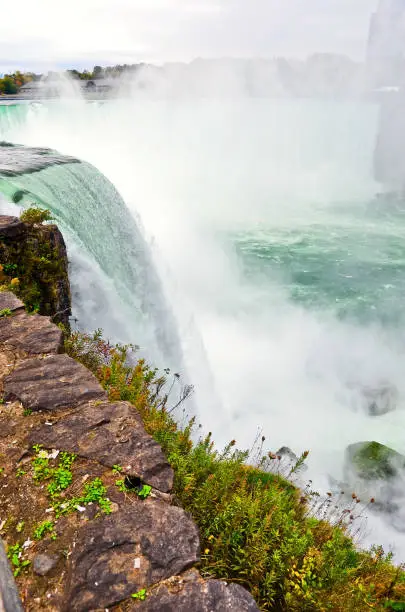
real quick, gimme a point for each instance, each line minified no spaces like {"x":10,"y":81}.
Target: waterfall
{"x":114,"y":281}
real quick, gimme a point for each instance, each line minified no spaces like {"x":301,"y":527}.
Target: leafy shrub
{"x":35,"y":215}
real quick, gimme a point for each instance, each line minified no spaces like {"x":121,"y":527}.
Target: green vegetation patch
{"x":257,"y":529}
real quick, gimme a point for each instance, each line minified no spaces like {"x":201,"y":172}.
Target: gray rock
{"x":51,"y":383}
{"x":10,"y":227}
{"x":287,"y":453}
{"x":373,"y":470}
{"x":199,"y":596}
{"x":9,"y":301}
{"x":381,"y":400}
{"x":31,"y":333}
{"x":113,"y":434}
{"x":44,"y":564}
{"x":132,"y":549}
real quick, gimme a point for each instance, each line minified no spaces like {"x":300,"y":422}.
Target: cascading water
{"x":113,"y":278}
{"x":273,"y":250}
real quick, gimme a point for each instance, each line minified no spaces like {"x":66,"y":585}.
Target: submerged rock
{"x":382,"y":400}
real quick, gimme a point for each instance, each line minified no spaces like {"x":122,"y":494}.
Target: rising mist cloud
{"x":45,"y":33}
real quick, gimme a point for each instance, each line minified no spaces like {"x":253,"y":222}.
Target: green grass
{"x":292,"y":550}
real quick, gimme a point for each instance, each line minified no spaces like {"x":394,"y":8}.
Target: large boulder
{"x":373,"y":470}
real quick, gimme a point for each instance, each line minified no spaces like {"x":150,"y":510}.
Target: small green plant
{"x":15,"y":553}
{"x":6,"y":312}
{"x":140,"y":595}
{"x":20,"y":472}
{"x":62,"y":475}
{"x":40,"y":464}
{"x":10,"y":269}
{"x":117,"y":469}
{"x":35,"y":215}
{"x":120,"y":484}
{"x":20,"y":526}
{"x":27,"y":412}
{"x":145,"y":491}
{"x":41,"y":530}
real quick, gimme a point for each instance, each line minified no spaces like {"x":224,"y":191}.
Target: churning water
{"x":284,"y":269}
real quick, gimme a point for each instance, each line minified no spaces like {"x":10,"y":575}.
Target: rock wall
{"x":88,"y":559}
{"x":34,"y":257}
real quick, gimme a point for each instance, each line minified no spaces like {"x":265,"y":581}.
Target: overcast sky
{"x":40,"y":34}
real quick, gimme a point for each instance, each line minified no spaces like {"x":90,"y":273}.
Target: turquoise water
{"x":354,"y":269}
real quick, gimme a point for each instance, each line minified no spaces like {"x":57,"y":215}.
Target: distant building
{"x":99,"y":86}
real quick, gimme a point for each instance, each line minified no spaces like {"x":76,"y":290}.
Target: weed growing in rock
{"x":140,"y":595}
{"x":43,"y":529}
{"x":6,"y":312}
{"x":60,"y":478}
{"x":290,"y":548}
{"x":15,"y":553}
{"x":145,"y":491}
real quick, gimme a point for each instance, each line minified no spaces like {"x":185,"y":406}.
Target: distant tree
{"x":7,"y":85}
{"x":97,"y":72}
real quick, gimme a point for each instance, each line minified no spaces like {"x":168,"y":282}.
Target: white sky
{"x":40,"y":34}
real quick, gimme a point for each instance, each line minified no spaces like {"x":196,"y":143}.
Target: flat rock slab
{"x":9,"y":301}
{"x":33,"y":334}
{"x":113,"y":434}
{"x":54,"y":382}
{"x":131,"y":549}
{"x":199,"y":596}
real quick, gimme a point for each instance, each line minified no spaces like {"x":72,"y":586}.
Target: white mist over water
{"x":198,"y":173}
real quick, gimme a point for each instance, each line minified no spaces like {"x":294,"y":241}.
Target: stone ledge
{"x":33,"y":334}
{"x":10,"y":301}
{"x":112,"y":434}
{"x":55,"y":382}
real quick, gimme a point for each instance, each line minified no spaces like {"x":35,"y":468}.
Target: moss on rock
{"x":34,"y":265}
{"x":372,"y":461}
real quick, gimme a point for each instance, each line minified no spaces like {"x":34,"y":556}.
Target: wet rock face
{"x":51,"y":383}
{"x":36,"y":255}
{"x":114,"y":435}
{"x":132,"y":549}
{"x":200,"y":596}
